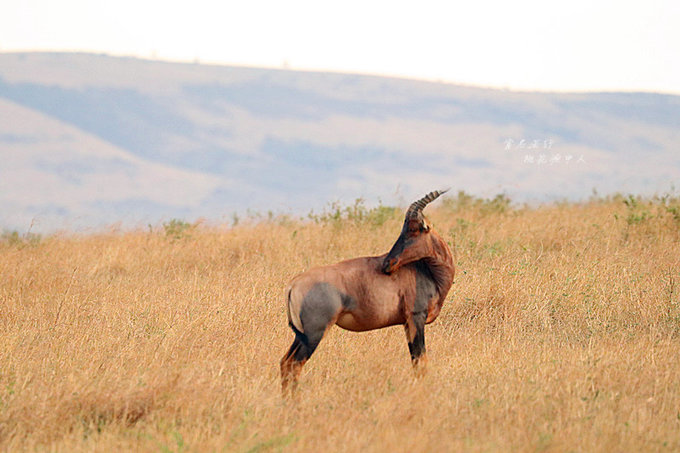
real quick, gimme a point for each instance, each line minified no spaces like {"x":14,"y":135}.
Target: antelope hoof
{"x":420,"y":366}
{"x":288,"y":387}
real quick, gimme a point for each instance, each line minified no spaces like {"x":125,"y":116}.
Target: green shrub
{"x":357,"y":213}
{"x":13,"y":238}
{"x":177,"y":229}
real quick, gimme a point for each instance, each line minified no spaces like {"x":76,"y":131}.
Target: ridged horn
{"x":418,"y":206}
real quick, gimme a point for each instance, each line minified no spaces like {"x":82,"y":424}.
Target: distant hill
{"x":89,"y":140}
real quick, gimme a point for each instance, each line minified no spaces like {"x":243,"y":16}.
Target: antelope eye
{"x":414,"y":227}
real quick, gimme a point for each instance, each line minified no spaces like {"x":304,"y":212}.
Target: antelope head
{"x":417,"y":239}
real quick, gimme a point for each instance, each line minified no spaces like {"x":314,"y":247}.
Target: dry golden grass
{"x":561,"y":333}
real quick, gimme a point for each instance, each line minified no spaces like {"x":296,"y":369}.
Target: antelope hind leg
{"x":319,"y":310}
{"x":291,"y":368}
{"x":300,"y":351}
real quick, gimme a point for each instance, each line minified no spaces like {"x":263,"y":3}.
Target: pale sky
{"x":579,"y":45}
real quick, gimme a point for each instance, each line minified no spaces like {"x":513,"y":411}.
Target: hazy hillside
{"x":88,"y":140}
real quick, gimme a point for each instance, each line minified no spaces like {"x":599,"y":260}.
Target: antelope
{"x":406,"y":286}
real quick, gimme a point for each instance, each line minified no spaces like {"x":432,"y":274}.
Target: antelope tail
{"x":293,"y":310}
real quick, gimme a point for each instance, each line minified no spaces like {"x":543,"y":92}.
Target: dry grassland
{"x":561,"y":333}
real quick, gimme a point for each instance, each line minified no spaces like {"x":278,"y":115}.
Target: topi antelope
{"x":406,"y":286}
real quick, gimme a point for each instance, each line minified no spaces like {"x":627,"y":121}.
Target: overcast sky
{"x":523,"y":45}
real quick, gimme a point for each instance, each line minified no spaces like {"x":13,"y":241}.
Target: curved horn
{"x":418,"y":206}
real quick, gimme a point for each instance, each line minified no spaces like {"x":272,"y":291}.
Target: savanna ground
{"x":561,"y":333}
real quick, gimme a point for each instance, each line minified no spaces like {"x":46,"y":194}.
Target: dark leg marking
{"x":416,"y":345}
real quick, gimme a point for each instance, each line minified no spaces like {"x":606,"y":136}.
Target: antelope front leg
{"x":415,"y":335}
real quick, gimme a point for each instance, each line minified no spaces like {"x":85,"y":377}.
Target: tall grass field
{"x":560,"y":333}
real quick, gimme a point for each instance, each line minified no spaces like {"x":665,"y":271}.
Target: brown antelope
{"x":405,"y":286}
